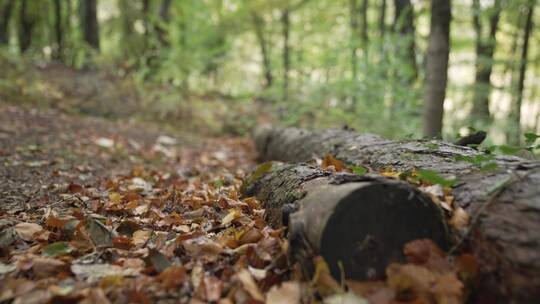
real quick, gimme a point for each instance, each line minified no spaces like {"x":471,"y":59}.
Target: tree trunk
{"x":164,"y":9}
{"x":285,"y":23}
{"x":516,"y":109}
{"x":354,"y":39}
{"x":436,"y":67}
{"x":90,"y":26}
{"x":58,"y":29}
{"x":364,"y":30}
{"x":382,"y":19}
{"x":404,"y":25}
{"x":504,"y":203}
{"x":7,"y":8}
{"x":258,"y":24}
{"x":25,"y":28}
{"x":485,"y":48}
{"x":357,"y":221}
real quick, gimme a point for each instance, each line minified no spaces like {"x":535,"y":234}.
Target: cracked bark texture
{"x":505,"y":231}
{"x":362,"y":222}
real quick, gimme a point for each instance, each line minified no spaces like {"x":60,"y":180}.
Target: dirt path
{"x":100,"y":211}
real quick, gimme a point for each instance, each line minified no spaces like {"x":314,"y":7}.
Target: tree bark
{"x":404,"y":25}
{"x":58,"y":30}
{"x":285,"y":28}
{"x":360,"y":222}
{"x":90,"y":26}
{"x":382,"y":19}
{"x":485,"y":48}
{"x":7,"y":8}
{"x":25,"y":27}
{"x":354,"y":32}
{"x":364,"y":29}
{"x":436,"y":67}
{"x":504,"y":203}
{"x":258,"y":24}
{"x":516,"y":107}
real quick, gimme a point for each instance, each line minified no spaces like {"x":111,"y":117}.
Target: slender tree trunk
{"x":285,"y":23}
{"x":25,"y":27}
{"x":437,"y":67}
{"x":58,"y":29}
{"x":364,"y":30}
{"x":90,"y":26}
{"x":382,"y":19}
{"x":516,"y":110}
{"x":354,"y":39}
{"x":258,"y":23}
{"x":404,"y":25}
{"x":485,"y":48}
{"x":4,"y":21}
{"x":164,"y":9}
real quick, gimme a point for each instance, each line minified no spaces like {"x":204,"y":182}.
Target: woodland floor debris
{"x":101,"y":212}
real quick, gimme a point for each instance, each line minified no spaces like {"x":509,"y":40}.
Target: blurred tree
{"x":89,"y":22}
{"x":515,"y":130}
{"x":382,"y":18}
{"x":485,"y":48}
{"x":364,"y":30}
{"x":5,"y":13}
{"x":436,"y":67}
{"x":404,"y":26}
{"x":354,"y":32}
{"x":258,"y":24}
{"x":58,"y":30}
{"x":26,"y":25}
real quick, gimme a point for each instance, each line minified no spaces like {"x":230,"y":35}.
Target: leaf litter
{"x":178,"y":232}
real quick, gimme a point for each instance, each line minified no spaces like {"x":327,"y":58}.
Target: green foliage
{"x":434,"y":178}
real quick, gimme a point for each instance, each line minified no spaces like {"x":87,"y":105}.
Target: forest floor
{"x":100,"y":211}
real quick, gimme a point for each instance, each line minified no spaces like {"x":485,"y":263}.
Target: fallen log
{"x":359,"y":224}
{"x":501,"y":193}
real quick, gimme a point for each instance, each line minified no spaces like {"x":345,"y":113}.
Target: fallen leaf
{"x":158,"y":260}
{"x":28,"y":231}
{"x":57,"y":249}
{"x":92,"y":273}
{"x":140,"y":237}
{"x":460,"y":219}
{"x":99,"y":233}
{"x":344,"y":298}
{"x":173,"y":277}
{"x":250,"y":285}
{"x":213,"y":287}
{"x":330,"y":162}
{"x":286,"y":293}
{"x":104,"y":142}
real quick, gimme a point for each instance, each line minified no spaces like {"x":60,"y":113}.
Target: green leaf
{"x":57,"y":249}
{"x":360,"y":170}
{"x":530,"y":138}
{"x":488,"y":167}
{"x":434,"y":178}
{"x":431,"y":146}
{"x":508,"y":149}
{"x":7,"y":237}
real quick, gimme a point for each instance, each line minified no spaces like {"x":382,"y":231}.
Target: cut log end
{"x":368,"y":227}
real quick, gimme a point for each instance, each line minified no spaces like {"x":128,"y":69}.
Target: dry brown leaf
{"x":460,"y":219}
{"x":173,"y":277}
{"x":329,"y":161}
{"x":140,"y":237}
{"x":28,"y":231}
{"x":426,"y":253}
{"x":447,"y":289}
{"x":250,"y":285}
{"x":286,"y":293}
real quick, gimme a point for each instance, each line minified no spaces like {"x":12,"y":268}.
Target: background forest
{"x":397,"y":68}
